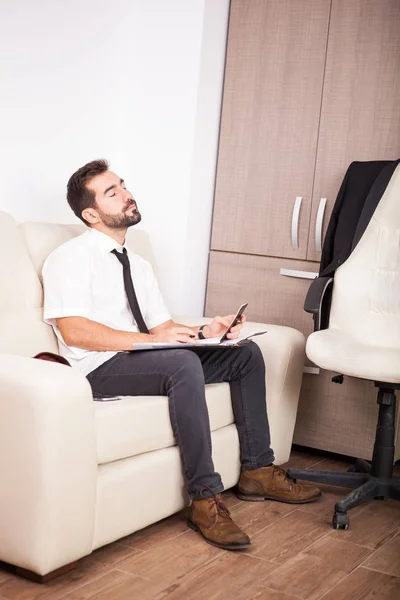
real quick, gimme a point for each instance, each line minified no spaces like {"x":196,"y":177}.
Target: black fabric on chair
{"x":359,"y":195}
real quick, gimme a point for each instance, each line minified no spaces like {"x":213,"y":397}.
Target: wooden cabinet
{"x":360,"y":113}
{"x":272,"y":286}
{"x":309,"y":87}
{"x":269,"y":126}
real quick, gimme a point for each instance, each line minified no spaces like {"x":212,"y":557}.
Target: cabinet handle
{"x":295,"y":222}
{"x":298,"y":274}
{"x":318,"y":224}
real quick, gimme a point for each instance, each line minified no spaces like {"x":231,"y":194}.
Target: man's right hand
{"x":90,"y":335}
{"x":173,"y":334}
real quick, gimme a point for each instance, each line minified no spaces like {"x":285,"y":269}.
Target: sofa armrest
{"x":48,"y":464}
{"x":283,"y":350}
{"x":191,"y":321}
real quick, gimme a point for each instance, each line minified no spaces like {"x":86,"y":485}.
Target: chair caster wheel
{"x":360,"y":466}
{"x":340,"y":521}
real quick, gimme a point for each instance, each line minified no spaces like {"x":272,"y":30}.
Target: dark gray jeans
{"x":181,"y":375}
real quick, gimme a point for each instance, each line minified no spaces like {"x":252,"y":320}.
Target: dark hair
{"x":78,"y":195}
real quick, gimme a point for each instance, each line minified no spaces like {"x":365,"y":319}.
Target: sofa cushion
{"x":138,"y":424}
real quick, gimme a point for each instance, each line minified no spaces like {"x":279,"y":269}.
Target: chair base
{"x":367,"y":481}
{"x":364,"y":487}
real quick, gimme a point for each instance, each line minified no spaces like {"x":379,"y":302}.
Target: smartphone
{"x":235,"y":320}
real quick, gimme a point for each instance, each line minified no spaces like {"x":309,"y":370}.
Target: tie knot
{"x":122,"y":256}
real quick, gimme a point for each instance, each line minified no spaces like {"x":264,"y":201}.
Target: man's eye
{"x":112,"y":195}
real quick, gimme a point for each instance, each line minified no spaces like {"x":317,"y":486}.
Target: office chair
{"x":357,"y":333}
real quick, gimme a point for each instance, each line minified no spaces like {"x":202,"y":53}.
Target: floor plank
{"x":89,"y":568}
{"x":231,"y":575}
{"x":167,"y":563}
{"x":332,"y":463}
{"x":253,"y":517}
{"x":364,"y":584}
{"x":114,"y":585}
{"x":230,"y":498}
{"x":156,"y":534}
{"x":372,"y":527}
{"x":387,"y":558}
{"x":268,"y":594}
{"x":316,"y":570}
{"x":3,"y":576}
{"x":282,"y":540}
{"x":303,"y":458}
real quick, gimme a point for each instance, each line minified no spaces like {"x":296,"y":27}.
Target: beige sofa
{"x":78,"y":474}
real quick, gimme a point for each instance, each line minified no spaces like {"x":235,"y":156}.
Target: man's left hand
{"x":219,"y":325}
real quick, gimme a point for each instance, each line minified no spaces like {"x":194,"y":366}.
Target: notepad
{"x":207,"y":343}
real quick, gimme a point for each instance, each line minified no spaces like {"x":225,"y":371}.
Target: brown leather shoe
{"x":211,"y":518}
{"x":272,"y":483}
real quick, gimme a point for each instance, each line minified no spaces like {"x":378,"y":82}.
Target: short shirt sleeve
{"x":66,"y":282}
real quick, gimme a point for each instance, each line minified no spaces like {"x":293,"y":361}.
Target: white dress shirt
{"x":82,"y":278}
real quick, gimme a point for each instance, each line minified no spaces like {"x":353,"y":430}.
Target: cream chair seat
{"x":333,"y":348}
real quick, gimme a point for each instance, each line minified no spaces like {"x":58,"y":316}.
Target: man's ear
{"x":90,"y":215}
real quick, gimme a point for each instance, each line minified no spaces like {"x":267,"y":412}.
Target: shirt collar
{"x":104,"y":242}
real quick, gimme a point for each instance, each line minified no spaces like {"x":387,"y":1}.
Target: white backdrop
{"x":138,"y":82}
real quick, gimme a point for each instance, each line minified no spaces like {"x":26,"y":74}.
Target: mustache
{"x":129,"y":205}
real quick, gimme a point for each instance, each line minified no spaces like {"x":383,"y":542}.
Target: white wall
{"x":138,"y":82}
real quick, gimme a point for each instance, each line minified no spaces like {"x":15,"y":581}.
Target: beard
{"x":121,"y":221}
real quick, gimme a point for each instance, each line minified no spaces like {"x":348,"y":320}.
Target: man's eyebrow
{"x":121,"y":181}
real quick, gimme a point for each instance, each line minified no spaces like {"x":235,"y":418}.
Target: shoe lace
{"x":279,"y":472}
{"x":215,"y":501}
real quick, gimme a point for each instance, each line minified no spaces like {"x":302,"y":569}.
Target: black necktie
{"x":130,"y":290}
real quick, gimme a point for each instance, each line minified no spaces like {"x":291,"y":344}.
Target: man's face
{"x":115,"y":206}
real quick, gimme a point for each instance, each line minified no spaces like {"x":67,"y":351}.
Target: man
{"x":102,"y":300}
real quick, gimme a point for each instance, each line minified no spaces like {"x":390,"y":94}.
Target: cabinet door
{"x":275,"y":288}
{"x":360,"y":116}
{"x":269,"y":125}
{"x":339,"y":418}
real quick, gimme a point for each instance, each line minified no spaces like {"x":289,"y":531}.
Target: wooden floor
{"x":295,"y":554}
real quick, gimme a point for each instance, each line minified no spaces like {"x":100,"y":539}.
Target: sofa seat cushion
{"x":138,"y":424}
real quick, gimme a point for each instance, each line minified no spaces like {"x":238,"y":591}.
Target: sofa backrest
{"x":42,"y":238}
{"x":23,"y":250}
{"x":366,"y":289}
{"x":22,"y":330}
